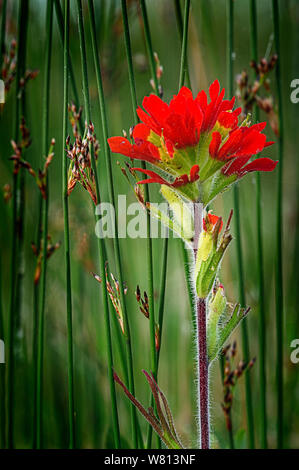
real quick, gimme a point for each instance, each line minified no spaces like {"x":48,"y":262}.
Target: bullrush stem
{"x":21,"y":42}
{"x":260,"y":253}
{"x":101,"y":246}
{"x":118,"y":262}
{"x":279,"y":235}
{"x":71,"y":404}
{"x":244,"y":329}
{"x":37,"y":434}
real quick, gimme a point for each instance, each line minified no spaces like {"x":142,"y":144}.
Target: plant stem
{"x":201,"y":348}
{"x":179,"y":18}
{"x":71,"y":403}
{"x":184,"y":73}
{"x":245,"y":340}
{"x":146,"y":192}
{"x":115,"y":420}
{"x":165,"y":245}
{"x":146,"y":198}
{"x":112,"y":201}
{"x":60,"y":22}
{"x":14,"y":298}
{"x":35,"y":327}
{"x":203,"y":374}
{"x":183,"y":68}
{"x":2,"y":32}
{"x":149,"y":45}
{"x":260,"y":255}
{"x":45,"y":206}
{"x":279,"y":235}
{"x":2,"y":372}
{"x":2,"y":369}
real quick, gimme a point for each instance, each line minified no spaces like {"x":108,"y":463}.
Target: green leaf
{"x":233,"y":316}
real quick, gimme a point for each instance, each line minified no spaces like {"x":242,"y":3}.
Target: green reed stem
{"x":71,"y":404}
{"x":260,"y":254}
{"x":37,"y":430}
{"x":154,"y":354}
{"x":100,"y":240}
{"x":35,"y":328}
{"x":149,"y":45}
{"x":184,"y":32}
{"x":2,"y":372}
{"x":184,"y":73}
{"x":183,"y":69}
{"x":244,"y":330}
{"x":146,"y":191}
{"x":112,"y":201}
{"x":60,"y":22}
{"x":279,"y":235}
{"x":2,"y":32}
{"x":13,"y":311}
{"x":2,"y":369}
{"x":179,"y":18}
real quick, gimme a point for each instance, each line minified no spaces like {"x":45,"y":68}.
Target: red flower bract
{"x":191,"y":139}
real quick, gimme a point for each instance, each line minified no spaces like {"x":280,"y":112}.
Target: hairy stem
{"x":201,"y":347}
{"x":203,"y":373}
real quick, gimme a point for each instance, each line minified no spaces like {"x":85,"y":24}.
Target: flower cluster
{"x":144,"y":309}
{"x":80,"y":170}
{"x":250,"y":94}
{"x":230,"y":380}
{"x":199,"y":148}
{"x":38,"y":252}
{"x":9,"y":68}
{"x":113,"y":289}
{"x":41,"y":175}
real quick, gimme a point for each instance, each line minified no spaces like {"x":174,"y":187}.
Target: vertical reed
{"x":100,"y":240}
{"x":2,"y":370}
{"x":279,"y":235}
{"x":21,"y":41}
{"x":116,"y":246}
{"x":245,"y":339}
{"x":260,"y":253}
{"x":154,"y":355}
{"x":3,"y":31}
{"x":71,"y":404}
{"x":37,"y":429}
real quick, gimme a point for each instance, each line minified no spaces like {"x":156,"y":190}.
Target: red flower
{"x":209,"y":222}
{"x":192,"y":140}
{"x":179,"y":181}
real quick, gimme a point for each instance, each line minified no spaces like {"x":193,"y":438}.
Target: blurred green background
{"x":207,"y":61}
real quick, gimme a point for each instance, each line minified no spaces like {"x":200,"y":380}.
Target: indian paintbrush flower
{"x":197,"y":148}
